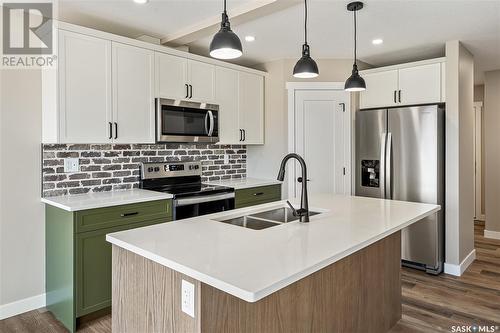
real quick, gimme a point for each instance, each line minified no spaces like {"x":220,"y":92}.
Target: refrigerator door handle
{"x":383,"y":144}
{"x":388,"y":167}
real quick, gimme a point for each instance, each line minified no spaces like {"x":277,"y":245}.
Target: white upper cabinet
{"x":407,"y":84}
{"x":381,"y":89}
{"x":201,"y":81}
{"x":420,"y":84}
{"x":133,"y":97}
{"x":251,"y":108}
{"x":227,"y":97}
{"x":171,"y":78}
{"x":84,"y":89}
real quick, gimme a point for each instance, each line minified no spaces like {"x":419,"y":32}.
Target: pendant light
{"x":355,"y":82}
{"x":225,"y":44}
{"x":306,"y":67}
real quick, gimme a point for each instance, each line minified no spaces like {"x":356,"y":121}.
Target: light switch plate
{"x":187,"y":297}
{"x":71,"y":165}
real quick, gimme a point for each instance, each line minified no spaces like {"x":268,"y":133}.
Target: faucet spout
{"x":303,"y":212}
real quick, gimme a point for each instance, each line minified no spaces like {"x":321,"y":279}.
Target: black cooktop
{"x":191,"y":189}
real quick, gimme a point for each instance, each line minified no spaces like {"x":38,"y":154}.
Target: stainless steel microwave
{"x":186,"y":121}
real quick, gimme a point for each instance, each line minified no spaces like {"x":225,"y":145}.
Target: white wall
{"x":492,"y":152}
{"x":22,"y":229}
{"x":276,"y":112}
{"x":459,"y":194}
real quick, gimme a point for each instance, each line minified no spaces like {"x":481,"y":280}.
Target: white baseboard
{"x":491,"y":234}
{"x":458,"y":270}
{"x":22,"y":306}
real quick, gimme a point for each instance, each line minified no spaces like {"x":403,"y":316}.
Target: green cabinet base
{"x":78,"y":259}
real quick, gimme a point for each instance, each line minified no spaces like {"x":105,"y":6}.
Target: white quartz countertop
{"x":243,"y":183}
{"x":252,"y":264}
{"x":73,"y":203}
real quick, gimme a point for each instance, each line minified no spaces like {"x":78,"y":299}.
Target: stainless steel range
{"x":183,"y":180}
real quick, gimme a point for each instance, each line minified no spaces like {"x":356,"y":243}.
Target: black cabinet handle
{"x":110,"y":130}
{"x":187,"y":90}
{"x":129,"y":214}
{"x":395,"y":96}
{"x":244,"y":135}
{"x":258,"y":194}
{"x":191,"y":91}
{"x":241,"y":135}
{"x":400,"y":96}
{"x":116,"y":130}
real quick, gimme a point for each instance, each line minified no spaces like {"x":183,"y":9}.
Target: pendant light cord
{"x":305,"y":21}
{"x":355,"y":37}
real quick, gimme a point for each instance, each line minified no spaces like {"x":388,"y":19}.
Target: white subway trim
{"x":22,"y":306}
{"x":491,"y":234}
{"x":458,"y":270}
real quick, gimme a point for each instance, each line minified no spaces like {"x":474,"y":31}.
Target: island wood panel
{"x":360,"y":293}
{"x":146,"y":296}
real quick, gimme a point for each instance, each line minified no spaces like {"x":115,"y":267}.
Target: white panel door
{"x":133,"y":98}
{"x":84,"y":88}
{"x":420,"y":84}
{"x":322,"y":138}
{"x":171,"y":76}
{"x":251,"y":107}
{"x":226,"y":91}
{"x":202,"y":81}
{"x":381,"y":88}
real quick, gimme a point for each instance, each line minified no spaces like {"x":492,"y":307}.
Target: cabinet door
{"x":251,"y":107}
{"x":202,"y":81}
{"x":84,"y":88}
{"x":93,"y":268}
{"x":171,"y":76}
{"x":226,"y":91}
{"x":420,"y":84}
{"x":133,"y":97}
{"x":380,"y":89}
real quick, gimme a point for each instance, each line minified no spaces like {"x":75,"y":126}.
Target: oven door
{"x":201,"y":205}
{"x":182,"y":121}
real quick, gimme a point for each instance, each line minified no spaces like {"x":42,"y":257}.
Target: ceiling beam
{"x":238,"y":15}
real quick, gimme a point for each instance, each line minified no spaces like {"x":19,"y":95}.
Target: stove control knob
{"x":157,"y":169}
{"x":150,"y":169}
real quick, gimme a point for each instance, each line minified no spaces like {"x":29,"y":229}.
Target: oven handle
{"x":211,"y":116}
{"x":204,"y":198}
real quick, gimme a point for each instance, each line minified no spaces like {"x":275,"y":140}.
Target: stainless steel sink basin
{"x":264,"y":220}
{"x":282,"y":215}
{"x":250,"y":223}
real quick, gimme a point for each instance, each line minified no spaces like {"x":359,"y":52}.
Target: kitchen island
{"x":338,"y":273}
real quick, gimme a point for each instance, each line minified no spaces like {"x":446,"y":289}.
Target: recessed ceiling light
{"x":377,"y":41}
{"x":141,"y":1}
{"x":249,"y":38}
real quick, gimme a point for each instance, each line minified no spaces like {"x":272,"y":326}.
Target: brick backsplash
{"x":110,"y":167}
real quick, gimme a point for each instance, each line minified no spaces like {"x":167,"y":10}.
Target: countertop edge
{"x":250,"y":296}
{"x":241,"y":185}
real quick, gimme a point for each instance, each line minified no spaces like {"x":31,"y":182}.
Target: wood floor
{"x":430,"y":304}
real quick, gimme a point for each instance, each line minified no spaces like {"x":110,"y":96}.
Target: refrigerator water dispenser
{"x":370,"y":173}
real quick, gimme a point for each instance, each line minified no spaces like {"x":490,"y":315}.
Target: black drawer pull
{"x":258,"y":194}
{"x":129,"y":214}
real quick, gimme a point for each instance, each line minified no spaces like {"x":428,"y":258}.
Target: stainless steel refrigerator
{"x":400,"y":156}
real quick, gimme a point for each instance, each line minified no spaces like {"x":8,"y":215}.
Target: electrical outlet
{"x":187,"y":299}
{"x":226,"y":159}
{"x":71,"y":165}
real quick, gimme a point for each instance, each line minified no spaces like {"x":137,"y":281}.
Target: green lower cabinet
{"x":78,"y":264}
{"x":257,"y":195}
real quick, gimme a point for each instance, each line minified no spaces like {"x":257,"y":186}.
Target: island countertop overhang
{"x":252,"y":264}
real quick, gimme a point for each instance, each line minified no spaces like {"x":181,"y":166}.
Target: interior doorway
{"x":478,"y":162}
{"x":320,"y":131}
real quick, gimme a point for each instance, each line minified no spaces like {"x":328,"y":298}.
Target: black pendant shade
{"x":306,"y":67}
{"x":355,"y":82}
{"x":225,"y":44}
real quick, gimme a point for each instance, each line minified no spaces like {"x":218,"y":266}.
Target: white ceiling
{"x":411,"y":29}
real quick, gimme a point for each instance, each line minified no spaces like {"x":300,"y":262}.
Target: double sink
{"x":264,"y":220}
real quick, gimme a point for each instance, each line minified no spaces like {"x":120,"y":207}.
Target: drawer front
{"x":100,"y":218}
{"x":257,"y":195}
{"x":93,"y":268}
